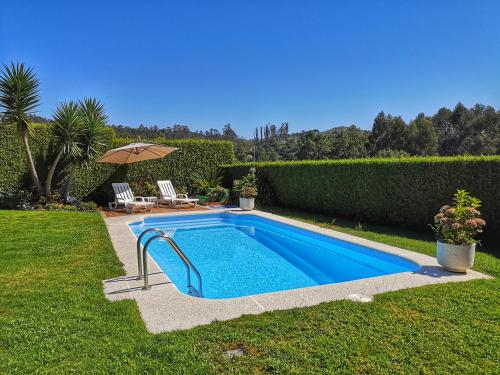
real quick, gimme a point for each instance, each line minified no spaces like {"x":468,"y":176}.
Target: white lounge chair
{"x":168,"y":195}
{"x":125,"y":197}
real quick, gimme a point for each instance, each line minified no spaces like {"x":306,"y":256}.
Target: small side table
{"x":153,"y":200}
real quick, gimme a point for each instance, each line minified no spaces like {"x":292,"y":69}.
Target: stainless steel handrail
{"x":139,"y":258}
{"x":180,"y":254}
{"x":186,"y":260}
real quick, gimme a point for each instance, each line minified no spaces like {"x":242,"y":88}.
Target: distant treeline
{"x":461,"y":131}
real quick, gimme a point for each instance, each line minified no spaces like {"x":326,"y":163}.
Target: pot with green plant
{"x":247,"y":198}
{"x":246,"y":190}
{"x":456,"y":227}
{"x":217,"y":195}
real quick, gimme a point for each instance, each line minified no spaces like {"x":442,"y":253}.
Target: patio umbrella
{"x":136,"y":152}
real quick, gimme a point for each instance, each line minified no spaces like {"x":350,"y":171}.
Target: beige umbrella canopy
{"x":136,"y":152}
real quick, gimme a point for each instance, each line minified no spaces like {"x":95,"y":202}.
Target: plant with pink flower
{"x":460,"y":223}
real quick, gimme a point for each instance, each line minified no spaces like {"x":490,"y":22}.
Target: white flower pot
{"x":247,"y":204}
{"x":455,"y":258}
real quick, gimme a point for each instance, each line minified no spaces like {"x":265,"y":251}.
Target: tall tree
{"x":446,"y":132}
{"x":313,"y":145}
{"x":67,"y":131}
{"x":19,"y":98}
{"x":388,"y":133}
{"x":92,"y":137}
{"x":266,"y":133}
{"x":349,"y":143}
{"x":283,"y":131}
{"x":422,"y":137}
{"x":228,"y":133}
{"x":272,"y":132}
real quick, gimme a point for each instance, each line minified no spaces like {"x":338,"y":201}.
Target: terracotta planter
{"x":455,"y":258}
{"x":247,"y":204}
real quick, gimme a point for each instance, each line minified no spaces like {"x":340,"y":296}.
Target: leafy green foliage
{"x":87,"y":206}
{"x":404,"y":191}
{"x":348,"y":143}
{"x":67,"y":129}
{"x":19,"y":98}
{"x":193,"y":158}
{"x":93,"y":136}
{"x":18,"y":95}
{"x":422,"y":137}
{"x":459,"y":225}
{"x":218,"y":194}
{"x":91,"y":140}
{"x":211,"y":179}
{"x":313,"y":145}
{"x":389,"y":132}
{"x":246,"y":187}
{"x":248,"y":192}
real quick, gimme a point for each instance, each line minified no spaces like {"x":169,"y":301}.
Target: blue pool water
{"x":240,"y":255}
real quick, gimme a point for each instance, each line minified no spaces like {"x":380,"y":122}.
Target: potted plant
{"x":217,"y":195}
{"x":455,"y":227}
{"x":247,"y":197}
{"x":246,"y":190}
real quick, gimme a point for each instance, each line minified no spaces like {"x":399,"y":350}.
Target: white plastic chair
{"x":125,"y":197}
{"x":168,"y":195}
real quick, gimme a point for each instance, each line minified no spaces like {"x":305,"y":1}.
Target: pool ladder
{"x":142,"y":261}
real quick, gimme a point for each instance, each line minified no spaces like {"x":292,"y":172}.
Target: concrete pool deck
{"x":163,"y":308}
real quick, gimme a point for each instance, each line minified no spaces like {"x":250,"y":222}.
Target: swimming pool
{"x":243,"y":254}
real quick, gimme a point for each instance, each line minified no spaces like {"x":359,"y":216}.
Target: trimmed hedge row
{"x":194,"y":159}
{"x":406,"y":191}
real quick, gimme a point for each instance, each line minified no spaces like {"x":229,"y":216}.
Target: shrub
{"x":53,"y":206}
{"x":52,"y":198}
{"x":218,"y":194}
{"x":403,"y":191}
{"x":459,"y":224}
{"x":207,"y":181}
{"x":88,"y":206}
{"x":21,"y":200}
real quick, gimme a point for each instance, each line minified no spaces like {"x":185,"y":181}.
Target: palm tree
{"x":19,"y":97}
{"x":91,"y":139}
{"x":66,"y":130}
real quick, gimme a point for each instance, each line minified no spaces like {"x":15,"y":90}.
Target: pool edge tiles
{"x":164,"y":308}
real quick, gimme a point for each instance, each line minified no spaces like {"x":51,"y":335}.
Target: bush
{"x":21,"y":200}
{"x":218,"y":194}
{"x":53,"y":206}
{"x":403,"y":191}
{"x":88,"y":206}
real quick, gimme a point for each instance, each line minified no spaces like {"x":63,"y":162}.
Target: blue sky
{"x":315,"y":64}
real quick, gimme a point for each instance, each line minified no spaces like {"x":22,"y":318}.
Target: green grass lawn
{"x":55,"y":318}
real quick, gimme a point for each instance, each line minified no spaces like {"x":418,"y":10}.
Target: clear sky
{"x":315,"y":64}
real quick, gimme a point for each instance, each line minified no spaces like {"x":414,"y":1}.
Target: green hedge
{"x":194,"y":158}
{"x":405,"y":191}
